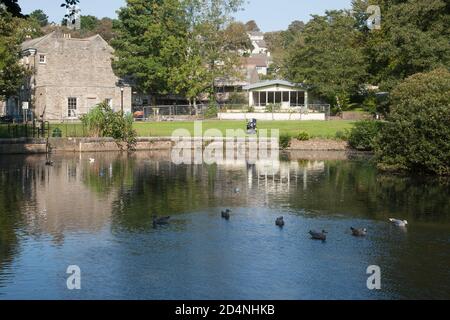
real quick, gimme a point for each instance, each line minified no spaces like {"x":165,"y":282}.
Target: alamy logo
{"x":211,"y":147}
{"x":74,"y":280}
{"x":374,"y":21}
{"x":374,"y":281}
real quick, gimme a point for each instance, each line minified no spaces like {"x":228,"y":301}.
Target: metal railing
{"x":25,"y":130}
{"x":172,"y":112}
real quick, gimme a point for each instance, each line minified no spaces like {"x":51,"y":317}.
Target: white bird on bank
{"x":91,"y":160}
{"x":399,"y":223}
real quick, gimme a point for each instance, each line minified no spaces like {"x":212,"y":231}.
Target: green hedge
{"x":416,"y":137}
{"x":363,"y":135}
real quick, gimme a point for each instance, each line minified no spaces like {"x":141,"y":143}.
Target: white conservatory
{"x":278,"y":100}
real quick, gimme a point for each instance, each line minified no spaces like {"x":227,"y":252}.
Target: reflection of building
{"x":68,"y":77}
{"x":68,"y":200}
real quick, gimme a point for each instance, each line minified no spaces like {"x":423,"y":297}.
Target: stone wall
{"x":56,"y":145}
{"x":319,"y":144}
{"x":22,"y":146}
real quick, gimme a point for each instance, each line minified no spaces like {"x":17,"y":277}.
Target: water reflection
{"x":100,"y":216}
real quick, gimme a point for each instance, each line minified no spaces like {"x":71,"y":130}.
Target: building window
{"x":109,"y":102}
{"x":72,"y":107}
{"x":42,"y":58}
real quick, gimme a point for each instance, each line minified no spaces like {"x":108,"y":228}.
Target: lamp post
{"x":121,"y":99}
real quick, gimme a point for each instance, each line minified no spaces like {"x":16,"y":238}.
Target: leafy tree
{"x":89,"y":23}
{"x":416,"y":137}
{"x":413,"y":39}
{"x":12,"y":7}
{"x":191,"y":77}
{"x":11,"y":72}
{"x":150,"y":43}
{"x":207,"y":20}
{"x":328,"y":55}
{"x":70,"y":5}
{"x":105,"y":29}
{"x":292,"y":33}
{"x":40,"y":17}
{"x":236,"y":38}
{"x":251,"y":26}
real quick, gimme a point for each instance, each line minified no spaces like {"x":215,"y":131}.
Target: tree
{"x":416,"y":137}
{"x":40,"y":17}
{"x":236,"y":38}
{"x":11,"y":72}
{"x":293,"y":32}
{"x":328,"y":55}
{"x":89,"y":23}
{"x":150,"y":43}
{"x":207,"y":21}
{"x":251,"y":26}
{"x":12,"y":7}
{"x":413,"y":38}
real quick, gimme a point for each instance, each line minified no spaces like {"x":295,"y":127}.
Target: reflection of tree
{"x":11,"y":197}
{"x":161,"y":188}
{"x":105,"y":175}
{"x":356,"y":187}
{"x":421,"y":198}
{"x":353,"y":187}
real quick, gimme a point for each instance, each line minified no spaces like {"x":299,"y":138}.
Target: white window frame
{"x":72,"y":112}
{"x":44,"y":61}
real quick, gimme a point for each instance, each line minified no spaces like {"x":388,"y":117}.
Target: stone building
{"x":68,"y":77}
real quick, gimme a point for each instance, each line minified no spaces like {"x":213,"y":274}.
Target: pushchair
{"x":252,"y":127}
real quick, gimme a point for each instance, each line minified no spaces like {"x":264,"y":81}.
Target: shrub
{"x":342,"y":135}
{"x":285,"y":141}
{"x":417,"y":135}
{"x":370,"y":104}
{"x":212,"y":111}
{"x":303,"y":136}
{"x":363,"y":134}
{"x":273,"y":107}
{"x":238,"y":98}
{"x":102,"y":121}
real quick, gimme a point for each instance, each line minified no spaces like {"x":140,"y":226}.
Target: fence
{"x":189,"y":112}
{"x":173,"y":112}
{"x":26,"y":130}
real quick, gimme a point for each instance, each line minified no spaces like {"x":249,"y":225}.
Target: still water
{"x":98,"y":216}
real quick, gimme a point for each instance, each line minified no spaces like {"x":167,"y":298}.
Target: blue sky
{"x":270,"y":15}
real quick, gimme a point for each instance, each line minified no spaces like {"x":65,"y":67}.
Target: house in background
{"x":260,"y":62}
{"x":68,"y":77}
{"x":258,"y":42}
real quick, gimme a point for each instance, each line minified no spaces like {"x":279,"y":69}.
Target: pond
{"x":99,"y":216}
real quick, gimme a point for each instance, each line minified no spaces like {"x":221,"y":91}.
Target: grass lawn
{"x":322,"y":129}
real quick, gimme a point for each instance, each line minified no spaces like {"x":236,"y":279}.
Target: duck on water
{"x":162,"y":221}
{"x":399,"y":223}
{"x":280,"y":222}
{"x":226,"y":214}
{"x":315,"y":235}
{"x":359,"y":232}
